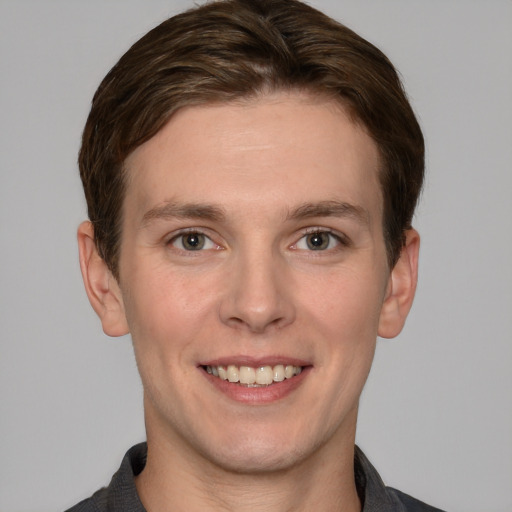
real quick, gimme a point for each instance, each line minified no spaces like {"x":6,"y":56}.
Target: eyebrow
{"x":333,"y":208}
{"x":172,"y":210}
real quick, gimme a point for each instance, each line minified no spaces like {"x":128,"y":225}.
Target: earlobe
{"x":100,"y":285}
{"x":401,"y":288}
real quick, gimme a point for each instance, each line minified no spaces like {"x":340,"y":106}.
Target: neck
{"x":177,"y":478}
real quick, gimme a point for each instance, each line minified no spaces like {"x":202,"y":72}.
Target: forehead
{"x":280,"y":148}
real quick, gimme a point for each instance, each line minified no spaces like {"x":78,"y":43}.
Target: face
{"x":253,"y":278}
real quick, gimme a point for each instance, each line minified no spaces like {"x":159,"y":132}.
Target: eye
{"x":192,"y":241}
{"x":319,"y":241}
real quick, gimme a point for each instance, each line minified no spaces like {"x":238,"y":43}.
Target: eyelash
{"x":191,"y":231}
{"x":340,"y":239}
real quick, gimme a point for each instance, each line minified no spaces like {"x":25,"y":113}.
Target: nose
{"x":258,"y":296}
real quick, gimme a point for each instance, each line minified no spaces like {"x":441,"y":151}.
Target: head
{"x":251,"y":170}
{"x":229,"y":50}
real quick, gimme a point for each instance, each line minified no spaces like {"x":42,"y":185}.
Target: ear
{"x":101,"y":286}
{"x":401,"y":288}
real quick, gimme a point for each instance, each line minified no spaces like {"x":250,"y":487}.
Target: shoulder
{"x":410,"y":504}
{"x":98,"y":502}
{"x":374,"y":494}
{"x":121,"y":494}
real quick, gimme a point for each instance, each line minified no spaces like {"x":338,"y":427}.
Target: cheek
{"x":345,"y":318}
{"x":347,"y":304}
{"x":166,"y":317}
{"x":167,"y":310}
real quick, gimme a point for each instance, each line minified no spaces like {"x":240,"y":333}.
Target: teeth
{"x":233,"y":373}
{"x":248,"y":376}
{"x":289,"y":371}
{"x":223,"y":374}
{"x":264,"y":375}
{"x":278,"y":373}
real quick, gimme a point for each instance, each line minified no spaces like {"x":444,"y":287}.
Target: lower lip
{"x":258,"y":395}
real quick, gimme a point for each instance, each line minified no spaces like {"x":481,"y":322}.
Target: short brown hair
{"x":230,"y":49}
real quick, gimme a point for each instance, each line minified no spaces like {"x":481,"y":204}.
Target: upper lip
{"x":255,"y":362}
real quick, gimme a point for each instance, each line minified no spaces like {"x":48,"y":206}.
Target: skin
{"x":265,"y":177}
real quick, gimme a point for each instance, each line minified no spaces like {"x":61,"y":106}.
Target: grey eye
{"x":192,"y":241}
{"x":318,"y":241}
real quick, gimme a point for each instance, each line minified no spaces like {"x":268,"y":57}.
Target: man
{"x":251,"y":170}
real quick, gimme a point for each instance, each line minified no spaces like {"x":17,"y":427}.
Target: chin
{"x":256,"y":459}
{"x":250,"y":453}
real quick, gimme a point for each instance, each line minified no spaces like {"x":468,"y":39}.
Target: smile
{"x":254,"y":377}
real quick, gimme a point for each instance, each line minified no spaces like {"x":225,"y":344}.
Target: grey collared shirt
{"x":121,"y":494}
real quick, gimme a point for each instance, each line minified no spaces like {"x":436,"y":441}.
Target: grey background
{"x":436,"y":415}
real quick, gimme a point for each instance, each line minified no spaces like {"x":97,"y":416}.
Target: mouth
{"x":254,"y":377}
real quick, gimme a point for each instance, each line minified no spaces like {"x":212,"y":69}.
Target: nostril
{"x":257,"y":297}
{"x":256,"y":324}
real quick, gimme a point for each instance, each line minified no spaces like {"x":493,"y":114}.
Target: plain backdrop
{"x":436,"y":414}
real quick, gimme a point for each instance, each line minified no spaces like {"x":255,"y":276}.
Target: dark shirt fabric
{"x":121,"y":494}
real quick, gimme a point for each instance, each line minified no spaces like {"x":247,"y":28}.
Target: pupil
{"x":194,"y":241}
{"x":318,"y":241}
